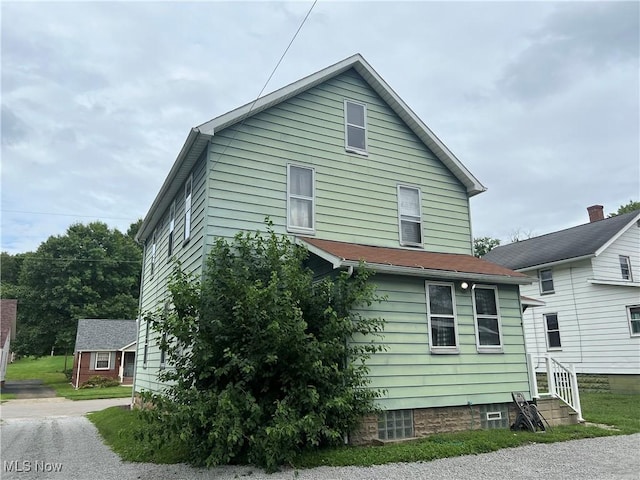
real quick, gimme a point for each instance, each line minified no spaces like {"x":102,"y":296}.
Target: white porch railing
{"x":562,"y":382}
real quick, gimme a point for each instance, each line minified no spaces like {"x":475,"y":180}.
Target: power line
{"x":304,"y":20}
{"x":65,"y":214}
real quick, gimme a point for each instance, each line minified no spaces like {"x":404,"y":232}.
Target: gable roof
{"x":8,"y":311}
{"x":102,"y":334}
{"x":200,"y":135}
{"x":573,"y":243}
{"x":412,"y":262}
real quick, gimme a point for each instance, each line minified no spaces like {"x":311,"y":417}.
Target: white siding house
{"x":588,"y":279}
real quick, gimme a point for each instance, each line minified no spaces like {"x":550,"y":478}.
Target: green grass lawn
{"x":51,"y":371}
{"x":118,"y":428}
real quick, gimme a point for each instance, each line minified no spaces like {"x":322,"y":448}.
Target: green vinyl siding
{"x":413,"y":377}
{"x":356,"y":195}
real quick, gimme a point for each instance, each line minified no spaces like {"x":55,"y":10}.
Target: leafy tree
{"x":90,"y":272}
{"x":10,"y":266}
{"x":483,"y":245}
{"x":632,"y":206}
{"x":262,"y":365}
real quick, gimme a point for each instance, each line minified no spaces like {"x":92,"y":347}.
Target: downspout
{"x":78,"y":371}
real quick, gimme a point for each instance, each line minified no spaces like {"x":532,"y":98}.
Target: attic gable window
{"x":300,"y":199}
{"x":625,"y":267}
{"x":355,"y":127}
{"x":187,"y":207}
{"x":410,"y":216}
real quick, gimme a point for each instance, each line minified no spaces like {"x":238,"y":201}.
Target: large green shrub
{"x":261,"y":366}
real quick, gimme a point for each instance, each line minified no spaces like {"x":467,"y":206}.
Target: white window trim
{"x":295,"y":228}
{"x":629,"y":307}
{"x":546,"y":332}
{"x":438,"y":349}
{"x":498,"y":317}
{"x":188,"y":205}
{"x":348,"y":147}
{"x":546,"y":292}
{"x":108,"y":367}
{"x":628,"y":262}
{"x":400,"y":215}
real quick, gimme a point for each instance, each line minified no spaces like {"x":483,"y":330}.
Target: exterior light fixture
{"x":464,"y":285}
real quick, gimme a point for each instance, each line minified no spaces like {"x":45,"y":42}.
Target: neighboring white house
{"x":588,"y":278}
{"x":8,"y":310}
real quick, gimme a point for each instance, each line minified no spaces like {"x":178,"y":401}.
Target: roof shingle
{"x":102,"y":334}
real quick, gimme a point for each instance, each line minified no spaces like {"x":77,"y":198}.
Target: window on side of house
{"x":633,"y":313}
{"x":300,"y":199}
{"x":153,"y":253}
{"x":410,"y":216}
{"x":487,"y":318}
{"x":145,"y":350}
{"x":187,"y":207}
{"x":395,"y":424}
{"x":552,"y":327}
{"x":443,"y":335}
{"x":103,"y":361}
{"x":163,"y":351}
{"x":172,"y":226}
{"x":625,"y":267}
{"x":546,"y":281}
{"x":355,"y":127}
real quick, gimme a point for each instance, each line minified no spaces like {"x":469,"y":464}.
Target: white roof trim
{"x":556,"y":263}
{"x":376,"y":82}
{"x":128,"y":346}
{"x":635,"y":220}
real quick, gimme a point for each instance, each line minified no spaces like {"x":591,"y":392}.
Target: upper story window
{"x":443,"y":335}
{"x":187,"y":207}
{"x":172,"y":226}
{"x":625,"y":267}
{"x":355,"y":127}
{"x":153,"y":253}
{"x":487,"y":317}
{"x":633,"y":313}
{"x":300,"y":199}
{"x":103,"y":360}
{"x":552,"y":328}
{"x":410,"y":216}
{"x":145,"y":350}
{"x":546,"y":281}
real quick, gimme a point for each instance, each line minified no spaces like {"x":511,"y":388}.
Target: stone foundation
{"x":593,"y":382}
{"x":429,"y":421}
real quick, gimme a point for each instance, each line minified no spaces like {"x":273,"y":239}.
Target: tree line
{"x":92,"y":271}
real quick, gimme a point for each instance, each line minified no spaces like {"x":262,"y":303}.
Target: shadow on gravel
{"x":28,"y":389}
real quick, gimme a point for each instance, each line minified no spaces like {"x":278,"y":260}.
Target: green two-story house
{"x":338,"y":161}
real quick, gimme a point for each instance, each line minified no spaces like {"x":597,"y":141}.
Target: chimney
{"x":596,"y":212}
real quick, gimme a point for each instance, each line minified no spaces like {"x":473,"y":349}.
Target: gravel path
{"x":36,"y":448}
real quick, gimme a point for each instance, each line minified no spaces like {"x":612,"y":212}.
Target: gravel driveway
{"x":70,"y":448}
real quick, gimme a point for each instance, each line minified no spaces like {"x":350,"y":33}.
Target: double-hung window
{"x":633,"y":312}
{"x":103,"y":360}
{"x":552,"y":328}
{"x":300,"y":199}
{"x":487,"y":317}
{"x":546,"y":281}
{"x":187,"y":207}
{"x":443,"y":335}
{"x":172,"y":226}
{"x":355,"y":127}
{"x":410,"y":216}
{"x":625,"y":267}
{"x":153,"y":253}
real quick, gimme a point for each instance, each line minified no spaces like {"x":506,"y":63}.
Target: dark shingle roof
{"x":566,"y":244}
{"x":101,"y":334}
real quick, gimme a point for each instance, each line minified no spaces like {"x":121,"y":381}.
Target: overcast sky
{"x":539,"y":100}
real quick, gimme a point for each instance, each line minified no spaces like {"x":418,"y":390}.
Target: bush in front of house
{"x":262,"y":365}
{"x":98,"y":381}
